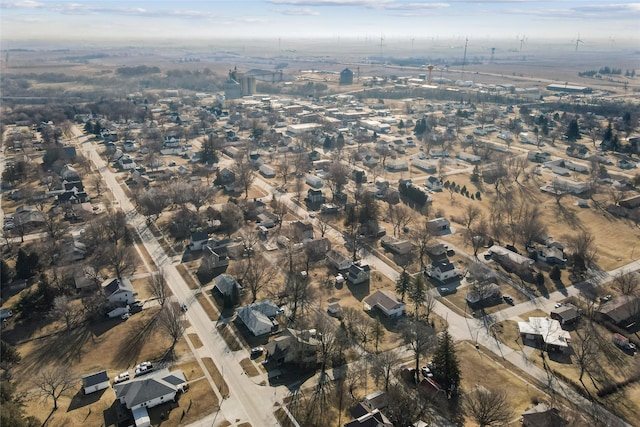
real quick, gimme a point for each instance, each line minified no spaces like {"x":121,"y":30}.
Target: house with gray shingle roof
{"x":259,"y":317}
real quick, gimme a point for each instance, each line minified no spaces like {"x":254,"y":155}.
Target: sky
{"x":373,"y":19}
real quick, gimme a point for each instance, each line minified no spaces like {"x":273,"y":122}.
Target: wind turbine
{"x":522,"y":42}
{"x":578,"y":41}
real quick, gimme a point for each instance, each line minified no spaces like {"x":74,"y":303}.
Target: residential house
{"x":385,"y":301}
{"x":197,"y":239}
{"x":95,"y":382}
{"x":69,"y":173}
{"x":397,"y":165}
{"x":358,"y":273}
{"x":545,"y":331}
{"x":539,"y":156}
{"x":370,"y":161}
{"x":73,"y":193}
{"x":172,"y":141}
{"x":28,"y":216}
{"x":338,"y":260}
{"x":119,"y":291}
{"x":397,"y":246}
{"x":444,"y":270}
{"x":147,"y":391}
{"x":566,"y":314}
{"x":439,"y":226}
{"x":433,"y":183}
{"x":126,"y":163}
{"x":267,"y":219}
{"x":363,"y":416}
{"x":313,"y":181}
{"x":224,"y":285}
{"x":315,"y":196}
{"x":302,"y":230}
{"x":542,"y":415}
{"x":129,"y":146}
{"x":214,"y":257}
{"x":551,"y":255}
{"x":267,"y":171}
{"x":259,"y":317}
{"x":317,"y":248}
{"x":622,"y":311}
{"x":483,"y":294}
{"x":509,"y":259}
{"x":293,"y":346}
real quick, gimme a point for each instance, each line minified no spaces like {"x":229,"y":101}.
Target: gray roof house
{"x":119,"y":290}
{"x":224,"y":284}
{"x":95,"y":382}
{"x":148,"y":391}
{"x":385,"y":301}
{"x":259,"y":317}
{"x":358,"y":274}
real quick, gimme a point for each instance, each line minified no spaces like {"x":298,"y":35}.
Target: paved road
{"x":247,"y":402}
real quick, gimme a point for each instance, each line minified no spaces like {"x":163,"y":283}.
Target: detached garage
{"x":95,"y":382}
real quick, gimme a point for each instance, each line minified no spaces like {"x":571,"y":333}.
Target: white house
{"x":545,"y":330}
{"x":444,"y":270}
{"x":148,"y":391}
{"x":358,"y":274}
{"x":95,"y":382}
{"x":338,"y":260}
{"x":433,"y":183}
{"x":439,"y":226}
{"x":509,"y":258}
{"x":259,"y":317}
{"x":126,"y":163}
{"x":386,"y":301}
{"x":197,"y":239}
{"x":119,"y":290}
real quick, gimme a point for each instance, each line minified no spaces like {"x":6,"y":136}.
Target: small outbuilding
{"x":95,"y":382}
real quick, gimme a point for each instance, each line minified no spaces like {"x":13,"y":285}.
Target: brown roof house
{"x":385,"y":301}
{"x":623,"y":311}
{"x":542,"y":415}
{"x":293,"y":346}
{"x":565,"y":314}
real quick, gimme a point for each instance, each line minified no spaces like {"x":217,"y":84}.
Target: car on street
{"x":558,"y":305}
{"x":184,"y":307}
{"x":125,"y":316}
{"x":508,"y":299}
{"x":256,"y":351}
{"x":445,"y":290}
{"x":124,"y":376}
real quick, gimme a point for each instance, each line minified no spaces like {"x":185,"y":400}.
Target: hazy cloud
{"x":297,"y":12}
{"x":26,"y":4}
{"x":365,"y":3}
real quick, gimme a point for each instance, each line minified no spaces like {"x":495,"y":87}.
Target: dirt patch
{"x":220,"y":383}
{"x":249,"y":368}
{"x":208,"y":307}
{"x":191,"y":369}
{"x":191,"y":406}
{"x":229,"y":337}
{"x":186,"y":275}
{"x":195,"y":340}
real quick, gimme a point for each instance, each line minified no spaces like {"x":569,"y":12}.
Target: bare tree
{"x":157,"y":286}
{"x":583,"y":249}
{"x":338,"y":175}
{"x":323,"y":225}
{"x":400,"y":217}
{"x":420,"y":337}
{"x":629,"y":282}
{"x":172,"y":322}
{"x":429,"y":305}
{"x":586,"y":351}
{"x":231,"y":218}
{"x":54,"y":381}
{"x":471,"y":214}
{"x":377,"y":333}
{"x":405,"y":406}
{"x":258,"y":274}
{"x":244,"y":174}
{"x":64,"y":309}
{"x":97,"y":184}
{"x":421,"y":237}
{"x":200,"y":195}
{"x":120,"y":259}
{"x":284,"y":168}
{"x":488,"y":407}
{"x":115,"y":224}
{"x":382,"y":365}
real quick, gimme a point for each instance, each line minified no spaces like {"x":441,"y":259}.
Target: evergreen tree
{"x":554,"y":274}
{"x":6,"y":273}
{"x":418,"y":292}
{"x":401,"y":124}
{"x":26,"y":264}
{"x":340,"y":141}
{"x":446,"y":367}
{"x":608,"y":134}
{"x":403,"y":284}
{"x":573,"y":131}
{"x":208,"y":152}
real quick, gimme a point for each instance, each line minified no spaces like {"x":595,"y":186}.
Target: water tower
{"x":430,"y":68}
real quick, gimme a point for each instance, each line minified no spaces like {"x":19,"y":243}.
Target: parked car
{"x":508,"y":299}
{"x":256,"y":351}
{"x":121,"y":377}
{"x":426,"y":372}
{"x":125,"y":316}
{"x":143,"y":368}
{"x":184,"y":307}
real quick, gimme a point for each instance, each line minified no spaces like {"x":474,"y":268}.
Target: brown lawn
{"x":195,"y":340}
{"x":249,"y":368}
{"x":220,"y":383}
{"x":211,"y":311}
